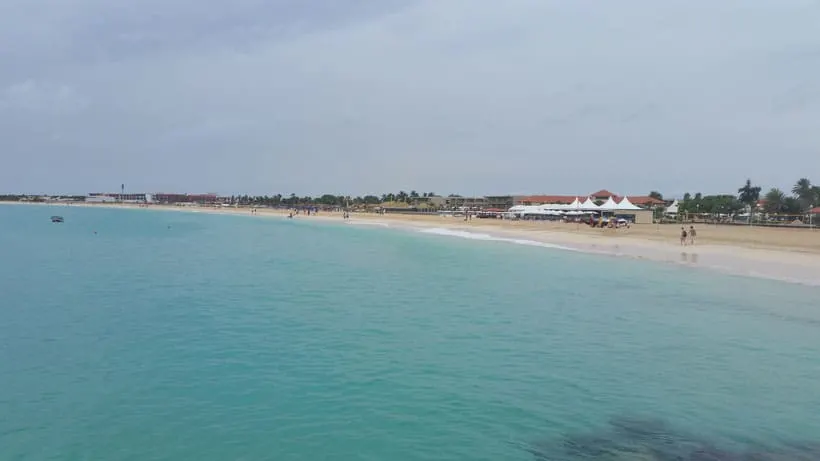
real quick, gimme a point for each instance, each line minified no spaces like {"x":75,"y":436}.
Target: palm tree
{"x":749,"y":195}
{"x":792,"y":206}
{"x":775,"y":201}
{"x":804,"y":192}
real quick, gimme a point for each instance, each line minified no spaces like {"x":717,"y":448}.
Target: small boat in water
{"x":56,"y":219}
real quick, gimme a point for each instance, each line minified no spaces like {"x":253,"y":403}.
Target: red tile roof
{"x":640,"y":200}
{"x":540,"y":199}
{"x":815,"y":210}
{"x":603,"y":193}
{"x":645,"y":200}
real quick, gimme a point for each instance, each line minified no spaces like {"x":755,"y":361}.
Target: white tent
{"x":531,"y":209}
{"x":609,"y":205}
{"x":555,"y":206}
{"x":522,"y":210}
{"x":575,"y":205}
{"x":625,"y":204}
{"x":589,"y":205}
{"x":673,"y":208}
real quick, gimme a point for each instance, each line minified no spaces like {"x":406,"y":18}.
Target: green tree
{"x":328,"y":199}
{"x":656,"y":195}
{"x":720,"y":205}
{"x":792,"y":206}
{"x":685,"y":205}
{"x":775,"y":201}
{"x":805,"y":193}
{"x":749,"y":195}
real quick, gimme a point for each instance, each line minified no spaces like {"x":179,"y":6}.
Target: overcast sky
{"x":366,"y":96}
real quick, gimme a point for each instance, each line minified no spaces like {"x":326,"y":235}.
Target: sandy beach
{"x":791,"y":255}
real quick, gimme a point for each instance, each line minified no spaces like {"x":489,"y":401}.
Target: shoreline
{"x":766,"y":255}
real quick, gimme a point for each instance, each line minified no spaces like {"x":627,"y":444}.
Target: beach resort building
{"x":429,"y":202}
{"x":109,"y":197}
{"x":202,"y":199}
{"x":503,"y":202}
{"x":458,"y":202}
{"x":638,"y":209}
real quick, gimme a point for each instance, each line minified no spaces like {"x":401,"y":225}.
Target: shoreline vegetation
{"x":785,"y":254}
{"x":775,"y":208}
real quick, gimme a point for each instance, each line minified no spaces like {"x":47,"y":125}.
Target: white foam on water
{"x":491,"y":238}
{"x":360,"y":223}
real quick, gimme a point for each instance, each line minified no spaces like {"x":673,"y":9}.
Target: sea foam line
{"x":491,"y":238}
{"x":365,"y":223}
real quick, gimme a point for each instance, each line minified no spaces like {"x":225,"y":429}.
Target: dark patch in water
{"x":637,"y":439}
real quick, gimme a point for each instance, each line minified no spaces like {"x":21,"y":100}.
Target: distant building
{"x":603,"y":195}
{"x":434,"y":202}
{"x":502,"y":202}
{"x":109,"y":197}
{"x":465,"y":202}
{"x":202,"y":199}
{"x":643,"y":201}
{"x":643,"y":215}
{"x":547,"y":199}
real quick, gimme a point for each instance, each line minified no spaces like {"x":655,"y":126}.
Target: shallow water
{"x":199,"y":337}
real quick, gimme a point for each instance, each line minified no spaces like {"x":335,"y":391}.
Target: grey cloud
{"x":528,"y":95}
{"x":31,"y":97}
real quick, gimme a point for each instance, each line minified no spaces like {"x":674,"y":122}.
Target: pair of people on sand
{"x":687,"y":237}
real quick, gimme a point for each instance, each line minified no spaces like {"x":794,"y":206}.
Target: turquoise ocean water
{"x":241,"y":338}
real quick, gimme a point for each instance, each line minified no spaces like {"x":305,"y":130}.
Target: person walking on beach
{"x":692,"y":235}
{"x":683,"y":236}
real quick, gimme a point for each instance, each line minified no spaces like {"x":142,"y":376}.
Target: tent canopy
{"x":625,"y":204}
{"x":673,"y":208}
{"x":609,"y":205}
{"x":589,"y":205}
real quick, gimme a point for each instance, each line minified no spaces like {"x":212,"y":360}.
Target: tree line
{"x":329,"y":199}
{"x":803,"y":197}
{"x":35,"y":198}
{"x":285,"y":200}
